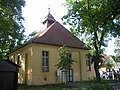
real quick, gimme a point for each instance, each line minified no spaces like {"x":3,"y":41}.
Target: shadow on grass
{"x":84,"y":85}
{"x":45,"y":87}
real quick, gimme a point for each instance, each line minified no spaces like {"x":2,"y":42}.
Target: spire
{"x":48,"y":9}
{"x":49,"y":19}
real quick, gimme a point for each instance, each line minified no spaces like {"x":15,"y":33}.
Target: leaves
{"x":117,"y":48}
{"x":11,"y":28}
{"x":99,"y":18}
{"x":97,"y":21}
{"x":65,"y":60}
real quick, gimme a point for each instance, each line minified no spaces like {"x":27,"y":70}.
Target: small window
{"x":88,"y":63}
{"x":18,"y":59}
{"x":45,"y":61}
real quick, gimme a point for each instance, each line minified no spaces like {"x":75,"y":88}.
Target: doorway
{"x":70,"y":75}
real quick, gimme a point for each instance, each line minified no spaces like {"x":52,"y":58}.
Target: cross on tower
{"x":48,"y":8}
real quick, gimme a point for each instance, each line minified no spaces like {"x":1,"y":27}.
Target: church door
{"x":70,"y":75}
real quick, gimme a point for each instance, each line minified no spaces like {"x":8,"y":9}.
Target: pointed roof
{"x":49,"y":17}
{"x":58,"y":35}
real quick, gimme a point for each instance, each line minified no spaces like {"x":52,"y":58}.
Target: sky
{"x":35,"y":11}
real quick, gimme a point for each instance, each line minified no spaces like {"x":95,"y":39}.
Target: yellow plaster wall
{"x":35,"y":74}
{"x":86,"y":75}
{"x":21,"y":74}
{"x":76,"y":67}
{"x":38,"y":75}
{"x":79,"y":67}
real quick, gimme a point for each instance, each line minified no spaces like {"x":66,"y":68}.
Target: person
{"x":118,"y":75}
{"x":110,"y":75}
{"x":104,"y":75}
{"x":114,"y":74}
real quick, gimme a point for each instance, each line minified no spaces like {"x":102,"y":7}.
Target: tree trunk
{"x":96,"y":68}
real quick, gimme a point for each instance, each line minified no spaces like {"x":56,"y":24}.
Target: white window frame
{"x":45,"y":61}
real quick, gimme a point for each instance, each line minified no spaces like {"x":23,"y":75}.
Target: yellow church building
{"x":38,"y":56}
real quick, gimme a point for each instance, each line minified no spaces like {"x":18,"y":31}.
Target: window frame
{"x":88,"y":62}
{"x":45,"y":61}
{"x":18,"y":60}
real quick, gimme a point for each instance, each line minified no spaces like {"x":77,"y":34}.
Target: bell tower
{"x":48,"y":20}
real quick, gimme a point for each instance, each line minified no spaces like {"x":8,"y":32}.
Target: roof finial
{"x":48,"y":9}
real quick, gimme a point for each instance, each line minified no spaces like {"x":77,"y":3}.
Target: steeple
{"x":48,"y":20}
{"x":48,"y":9}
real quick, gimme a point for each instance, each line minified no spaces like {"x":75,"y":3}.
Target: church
{"x":38,"y":56}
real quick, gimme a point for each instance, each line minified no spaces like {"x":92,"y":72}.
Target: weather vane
{"x":48,"y":8}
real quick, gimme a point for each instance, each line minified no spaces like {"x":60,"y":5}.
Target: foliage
{"x":99,"y":86}
{"x":116,"y":58}
{"x":65,"y":60}
{"x":109,"y":63}
{"x":97,"y":21}
{"x":11,"y":28}
{"x":117,"y":49}
{"x":31,"y":35}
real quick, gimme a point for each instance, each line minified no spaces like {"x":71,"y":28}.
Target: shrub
{"x":99,"y":86}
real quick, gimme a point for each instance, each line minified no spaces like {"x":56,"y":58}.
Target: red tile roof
{"x":58,"y":35}
{"x":104,"y":58}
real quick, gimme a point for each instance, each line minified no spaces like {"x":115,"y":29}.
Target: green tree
{"x":11,"y":28}
{"x":65,"y":61}
{"x":109,"y":63}
{"x":117,"y":50}
{"x":117,"y":45}
{"x":96,"y":20}
{"x":31,"y":35}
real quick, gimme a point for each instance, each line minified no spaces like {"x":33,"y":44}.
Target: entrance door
{"x":70,"y":75}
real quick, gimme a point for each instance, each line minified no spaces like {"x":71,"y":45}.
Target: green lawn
{"x":42,"y":88}
{"x":87,"y":85}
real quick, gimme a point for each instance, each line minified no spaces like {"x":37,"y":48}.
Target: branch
{"x":101,"y":38}
{"x":95,"y":42}
{"x":111,"y":15}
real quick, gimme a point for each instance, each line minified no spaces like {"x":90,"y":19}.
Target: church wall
{"x":24,"y":75}
{"x":79,"y":67}
{"x":35,"y":75}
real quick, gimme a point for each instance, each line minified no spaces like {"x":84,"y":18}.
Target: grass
{"x":44,"y":87}
{"x":81,"y":86}
{"x":49,"y":87}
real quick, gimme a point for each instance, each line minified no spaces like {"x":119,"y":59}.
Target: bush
{"x":99,"y":86}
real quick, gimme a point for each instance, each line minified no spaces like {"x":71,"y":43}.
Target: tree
{"x":65,"y":61}
{"x":117,"y":50}
{"x":31,"y":35}
{"x":97,"y":20}
{"x":109,"y":63}
{"x":11,"y":28}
